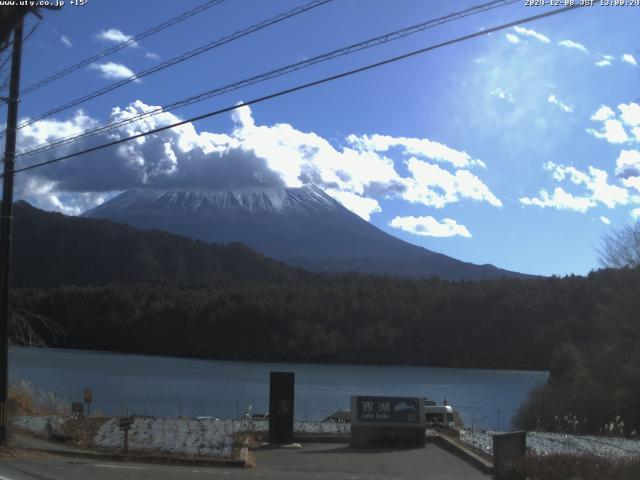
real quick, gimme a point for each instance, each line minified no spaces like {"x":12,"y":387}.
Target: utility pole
{"x":5,"y":224}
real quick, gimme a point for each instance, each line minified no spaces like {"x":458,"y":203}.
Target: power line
{"x":305,"y":86}
{"x":147,"y":33}
{"x":388,"y":37}
{"x":5,"y":83}
{"x":179,"y":59}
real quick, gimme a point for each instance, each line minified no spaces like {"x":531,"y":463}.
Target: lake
{"x":167,"y":386}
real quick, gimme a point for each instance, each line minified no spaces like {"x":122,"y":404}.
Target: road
{"x":313,"y":461}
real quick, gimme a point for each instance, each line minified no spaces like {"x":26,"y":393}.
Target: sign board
{"x":385,"y":422}
{"x":281,"y":394}
{"x":77,"y":409}
{"x":88,"y":395}
{"x":507,"y":448}
{"x":387,"y":410}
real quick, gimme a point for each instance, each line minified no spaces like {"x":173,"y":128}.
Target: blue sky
{"x":519,"y":148}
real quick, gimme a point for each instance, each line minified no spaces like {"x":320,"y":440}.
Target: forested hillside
{"x":51,"y":249}
{"x":508,"y":323}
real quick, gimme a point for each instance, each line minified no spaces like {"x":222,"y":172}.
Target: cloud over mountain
{"x":358,"y":174}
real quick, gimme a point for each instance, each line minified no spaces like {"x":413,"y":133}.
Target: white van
{"x":439,"y":415}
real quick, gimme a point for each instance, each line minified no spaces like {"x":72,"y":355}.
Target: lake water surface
{"x":153,"y":385}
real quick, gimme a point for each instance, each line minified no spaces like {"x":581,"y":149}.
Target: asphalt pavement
{"x":313,"y":461}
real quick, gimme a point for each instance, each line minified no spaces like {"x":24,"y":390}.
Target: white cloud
{"x":605,"y":220}
{"x":603,"y":113}
{"x":511,"y":38}
{"x":49,"y":130}
{"x":552,"y":99}
{"x":301,"y":157}
{"x":420,"y":147}
{"x":503,"y":95}
{"x":560,"y":200}
{"x":628,"y":58}
{"x":628,"y":163}
{"x":65,"y":40}
{"x":532,"y":33}
{"x":436,"y":187}
{"x":43,"y":194}
{"x":362,"y":206}
{"x":613,"y":132}
{"x":115,"y":71}
{"x":632,"y":182}
{"x":596,"y":182}
{"x":152,"y":56}
{"x":635,"y":213}
{"x":574,"y":45}
{"x":613,"y":129}
{"x":630,"y":114}
{"x":115,"y":36}
{"x":603,"y":63}
{"x":251,"y":155}
{"x":430,"y":227}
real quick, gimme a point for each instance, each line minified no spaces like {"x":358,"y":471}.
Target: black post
{"x":281,"y":398}
{"x":5,"y":225}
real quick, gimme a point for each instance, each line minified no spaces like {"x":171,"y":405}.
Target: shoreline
{"x":278,"y":362}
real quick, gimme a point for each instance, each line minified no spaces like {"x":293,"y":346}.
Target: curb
{"x":153,"y":459}
{"x":465,"y":454}
{"x":321,"y":438}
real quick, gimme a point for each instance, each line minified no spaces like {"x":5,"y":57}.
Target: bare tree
{"x":22,"y":329}
{"x":621,"y":248}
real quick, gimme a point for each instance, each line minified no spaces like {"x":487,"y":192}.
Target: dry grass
{"x":573,"y":467}
{"x":82,"y":431}
{"x":25,"y":399}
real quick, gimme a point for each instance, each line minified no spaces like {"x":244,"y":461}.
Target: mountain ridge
{"x":303,"y":227}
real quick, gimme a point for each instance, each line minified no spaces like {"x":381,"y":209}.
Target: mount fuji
{"x":303,"y":227}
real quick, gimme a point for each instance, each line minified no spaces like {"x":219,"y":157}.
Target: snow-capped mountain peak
{"x":301,"y":226}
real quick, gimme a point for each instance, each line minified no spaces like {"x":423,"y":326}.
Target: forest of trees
{"x":508,"y":323}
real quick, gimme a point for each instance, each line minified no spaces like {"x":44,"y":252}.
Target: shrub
{"x":25,"y":399}
{"x":578,"y":467}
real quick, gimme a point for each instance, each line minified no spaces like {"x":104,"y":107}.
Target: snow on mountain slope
{"x":288,"y":200}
